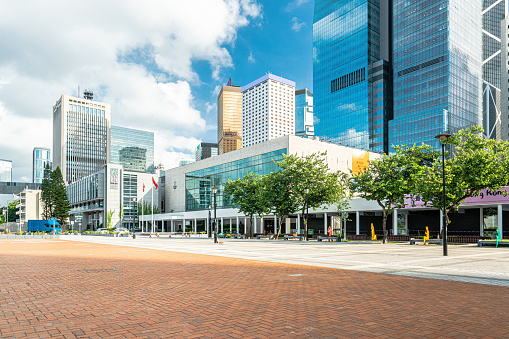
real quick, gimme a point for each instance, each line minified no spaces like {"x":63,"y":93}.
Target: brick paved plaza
{"x":67,"y":289}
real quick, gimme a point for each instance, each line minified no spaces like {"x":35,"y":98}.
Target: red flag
{"x":155,"y":184}
{"x":143,"y":187}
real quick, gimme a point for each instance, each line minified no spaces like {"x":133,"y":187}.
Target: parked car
{"x":121,"y":230}
{"x":102,"y":230}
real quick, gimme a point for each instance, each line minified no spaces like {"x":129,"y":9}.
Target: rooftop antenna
{"x":78,"y":91}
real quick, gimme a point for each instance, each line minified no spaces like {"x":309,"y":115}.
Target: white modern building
{"x":30,"y":206}
{"x":304,"y":125}
{"x":81,"y":136}
{"x":268,"y":109}
{"x":5,"y":170}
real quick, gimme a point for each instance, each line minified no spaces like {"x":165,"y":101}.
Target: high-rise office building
{"x":133,"y":149}
{"x":351,"y":72}
{"x":268,"y":109}
{"x":5,"y":170}
{"x":229,"y":119}
{"x":81,"y":136}
{"x":41,"y":157}
{"x":504,"y":83}
{"x":206,"y":150}
{"x":493,"y":12}
{"x":397,"y":72}
{"x":304,"y":125}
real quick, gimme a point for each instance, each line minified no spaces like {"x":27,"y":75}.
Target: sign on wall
{"x":113,"y":178}
{"x":360,"y":160}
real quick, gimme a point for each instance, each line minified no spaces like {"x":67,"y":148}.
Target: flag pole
{"x":153,"y":208}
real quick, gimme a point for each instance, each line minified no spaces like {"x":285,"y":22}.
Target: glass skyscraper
{"x":304,"y":125}
{"x":40,"y":158}
{"x":133,"y":149}
{"x":437,"y":69}
{"x":349,"y":38}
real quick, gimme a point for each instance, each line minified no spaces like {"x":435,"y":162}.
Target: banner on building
{"x":113,"y":178}
{"x":360,"y":160}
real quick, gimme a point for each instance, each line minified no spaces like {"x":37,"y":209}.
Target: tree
{"x":342,"y":199}
{"x":389,"y":179}
{"x":146,"y":208}
{"x":247,"y":195}
{"x":311,"y":171}
{"x":12,"y":208}
{"x":109,"y":215}
{"x":59,"y":197}
{"x":475,"y":164}
{"x":48,"y":202}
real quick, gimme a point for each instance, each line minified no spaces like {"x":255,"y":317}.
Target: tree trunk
{"x":279,"y":220}
{"x":384,"y":227}
{"x":250,"y":230}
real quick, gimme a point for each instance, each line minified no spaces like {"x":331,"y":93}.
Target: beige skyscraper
{"x":229,"y":119}
{"x":81,"y":136}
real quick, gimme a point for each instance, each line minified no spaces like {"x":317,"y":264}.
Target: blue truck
{"x":43,"y":226}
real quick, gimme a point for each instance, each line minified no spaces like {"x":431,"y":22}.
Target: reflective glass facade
{"x":199,"y":183}
{"x":229,"y":119}
{"x":41,"y":157}
{"x":436,"y":69}
{"x":5,"y":170}
{"x":133,"y":149}
{"x":130,"y":192}
{"x":346,"y":44}
{"x":304,"y":125}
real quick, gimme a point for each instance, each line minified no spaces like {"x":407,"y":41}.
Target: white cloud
{"x":294,"y":4}
{"x":250,"y":58}
{"x":297,"y":24}
{"x":210,"y":107}
{"x":49,"y":48}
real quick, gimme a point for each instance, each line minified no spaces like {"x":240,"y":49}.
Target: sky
{"x":159,"y":63}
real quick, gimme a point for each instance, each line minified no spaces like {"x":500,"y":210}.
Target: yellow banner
{"x":360,"y":160}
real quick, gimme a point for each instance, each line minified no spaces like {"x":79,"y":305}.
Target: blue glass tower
{"x":304,"y":125}
{"x":352,"y":72}
{"x":437,"y":69}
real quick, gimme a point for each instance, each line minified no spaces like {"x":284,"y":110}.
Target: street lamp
{"x":214,"y":190}
{"x":209,"y":233}
{"x":307,"y":213}
{"x":134,"y":216}
{"x":443,"y":137}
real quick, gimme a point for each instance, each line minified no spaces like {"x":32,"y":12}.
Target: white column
{"x":162,"y":226}
{"x":245,"y":225}
{"x":183,"y":225}
{"x":237,"y":224}
{"x":254,"y":225}
{"x":298,"y":223}
{"x":325,"y":223}
{"x":275,"y":224}
{"x":230,"y":225}
{"x":357,"y":223}
{"x":262,"y":226}
{"x":481,"y":221}
{"x":222,"y":225}
{"x":195,"y":226}
{"x":500,"y":218}
{"x":395,"y":222}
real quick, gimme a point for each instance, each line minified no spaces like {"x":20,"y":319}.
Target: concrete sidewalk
{"x":466,"y":263}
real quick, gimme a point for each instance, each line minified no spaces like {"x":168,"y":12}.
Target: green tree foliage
{"x":311,"y":171}
{"x":109,"y":216}
{"x":475,"y":164}
{"x":12,"y":208}
{"x":2,"y":220}
{"x":147,"y":208}
{"x":59,"y":197}
{"x":389,"y":179}
{"x":247,"y":195}
{"x":48,"y":203}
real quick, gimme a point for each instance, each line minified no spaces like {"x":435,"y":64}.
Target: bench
{"x":429,"y":241}
{"x":338,"y":239}
{"x":299,"y":237}
{"x":493,"y":242}
{"x":239,"y":236}
{"x":264,"y":237}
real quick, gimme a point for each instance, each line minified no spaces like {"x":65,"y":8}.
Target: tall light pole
{"x":443,"y":137}
{"x":209,"y":233}
{"x":307,"y":213}
{"x":134,"y":216}
{"x":214,"y":190}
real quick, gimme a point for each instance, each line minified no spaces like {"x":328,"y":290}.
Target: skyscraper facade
{"x":206,"y":150}
{"x":304,"y":113}
{"x":133,"y":149}
{"x":81,"y":136}
{"x":5,"y":170}
{"x":229,"y":119}
{"x":437,"y":69}
{"x":504,"y":83}
{"x":268,"y":109}
{"x":349,"y":37}
{"x":41,"y":157}
{"x":493,"y":12}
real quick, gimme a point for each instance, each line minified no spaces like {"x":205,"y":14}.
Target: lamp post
{"x":214,"y":190}
{"x":209,"y":233}
{"x":134,"y":216}
{"x":443,"y":137}
{"x":307,"y":213}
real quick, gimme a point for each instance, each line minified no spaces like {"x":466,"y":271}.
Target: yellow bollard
{"x":373,"y":235}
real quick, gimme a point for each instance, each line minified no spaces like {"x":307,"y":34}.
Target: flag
{"x":229,"y":82}
{"x":143,"y":187}
{"x":155,"y":184}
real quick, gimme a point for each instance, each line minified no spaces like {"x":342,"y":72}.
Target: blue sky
{"x":160,"y":65}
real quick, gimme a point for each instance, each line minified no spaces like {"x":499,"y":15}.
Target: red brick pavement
{"x":136,"y":293}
